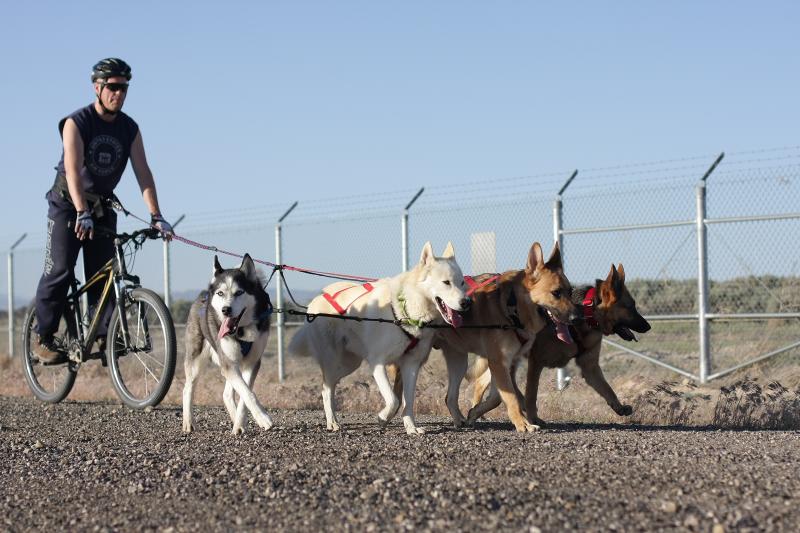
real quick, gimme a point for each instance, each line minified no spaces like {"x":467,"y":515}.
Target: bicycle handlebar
{"x":138,"y":236}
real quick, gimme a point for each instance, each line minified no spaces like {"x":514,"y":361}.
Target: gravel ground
{"x":99,"y":466}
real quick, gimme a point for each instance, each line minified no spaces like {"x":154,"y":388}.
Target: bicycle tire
{"x":60,"y":377}
{"x":150,"y":350}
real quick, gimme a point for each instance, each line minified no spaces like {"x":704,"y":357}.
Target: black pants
{"x":61,"y":254}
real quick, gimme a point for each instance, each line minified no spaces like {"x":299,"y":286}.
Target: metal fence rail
{"x":708,"y":245}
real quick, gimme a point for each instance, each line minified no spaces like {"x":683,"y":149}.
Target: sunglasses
{"x":114,"y":87}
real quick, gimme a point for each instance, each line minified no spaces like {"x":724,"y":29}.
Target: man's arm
{"x":143,"y":175}
{"x":73,"y":161}
{"x":148,"y":186}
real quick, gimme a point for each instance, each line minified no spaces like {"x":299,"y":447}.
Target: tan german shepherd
{"x":607,"y":308}
{"x":531,"y":299}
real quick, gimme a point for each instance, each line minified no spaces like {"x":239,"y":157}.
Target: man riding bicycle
{"x":98,"y":141}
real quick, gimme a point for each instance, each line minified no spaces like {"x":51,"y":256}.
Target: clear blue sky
{"x":249,"y":103}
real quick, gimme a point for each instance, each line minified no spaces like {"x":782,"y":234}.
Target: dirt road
{"x":101,"y":467}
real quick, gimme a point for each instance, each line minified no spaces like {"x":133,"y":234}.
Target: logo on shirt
{"x":104,"y":155}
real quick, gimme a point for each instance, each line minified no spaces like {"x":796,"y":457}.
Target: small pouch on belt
{"x":95,"y":201}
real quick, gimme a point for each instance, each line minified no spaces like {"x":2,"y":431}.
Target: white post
{"x":279,"y":293}
{"x":11,"y":295}
{"x":167,"y":271}
{"x":404,"y":239}
{"x":167,"y":288}
{"x":279,"y":300}
{"x":702,"y":282}
{"x":404,"y":229}
{"x":702,"y":274}
{"x":11,"y":303}
{"x":562,"y":376}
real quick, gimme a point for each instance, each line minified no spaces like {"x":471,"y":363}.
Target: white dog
{"x":433,"y":292}
{"x":229,"y":323}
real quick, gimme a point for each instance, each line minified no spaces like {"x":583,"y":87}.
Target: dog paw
{"x":526,"y":427}
{"x":625,"y":410}
{"x":265,"y":423}
{"x":237,"y":430}
{"x":187,"y":428}
{"x":415,"y":431}
{"x":333,"y":426}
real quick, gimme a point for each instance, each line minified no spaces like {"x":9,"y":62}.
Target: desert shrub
{"x":745,"y":404}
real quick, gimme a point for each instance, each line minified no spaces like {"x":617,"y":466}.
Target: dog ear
{"x":217,"y":267}
{"x":449,"y":251}
{"x":621,"y":272}
{"x":554,"y":263}
{"x":248,"y":267}
{"x":535,"y":259}
{"x":608,"y":289}
{"x":427,"y":254}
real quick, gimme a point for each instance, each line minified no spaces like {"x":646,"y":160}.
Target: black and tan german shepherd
{"x":607,"y":308}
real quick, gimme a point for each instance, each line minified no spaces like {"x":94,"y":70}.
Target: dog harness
{"x":588,"y":307}
{"x":513,"y":317}
{"x":474,"y":285}
{"x":331,"y":298}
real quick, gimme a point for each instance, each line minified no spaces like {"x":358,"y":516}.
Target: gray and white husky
{"x":229,"y":323}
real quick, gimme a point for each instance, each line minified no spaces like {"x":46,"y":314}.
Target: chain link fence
{"x":644,"y":216}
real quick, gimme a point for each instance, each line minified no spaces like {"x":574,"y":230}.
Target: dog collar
{"x":405,"y":318}
{"x":588,"y":307}
{"x":412,"y":339}
{"x":245,"y":346}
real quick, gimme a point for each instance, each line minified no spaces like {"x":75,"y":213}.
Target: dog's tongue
{"x":562,"y":332}
{"x":229,"y":325}
{"x":453,"y":317}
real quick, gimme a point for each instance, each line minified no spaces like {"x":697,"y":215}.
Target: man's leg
{"x":61,"y":252}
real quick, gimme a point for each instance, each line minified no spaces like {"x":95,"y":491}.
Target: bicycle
{"x":140,"y":347}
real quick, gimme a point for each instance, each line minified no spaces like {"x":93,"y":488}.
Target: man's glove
{"x":84,"y":225}
{"x":157,"y":221}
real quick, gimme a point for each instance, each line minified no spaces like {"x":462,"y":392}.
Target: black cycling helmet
{"x":110,"y":67}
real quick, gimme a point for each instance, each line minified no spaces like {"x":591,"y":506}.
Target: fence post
{"x":11,"y":295}
{"x":404,"y":229}
{"x":702,"y":273}
{"x":562,"y":377}
{"x":167,"y":271}
{"x":279,"y":293}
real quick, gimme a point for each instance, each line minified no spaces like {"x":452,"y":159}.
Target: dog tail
{"x":300,"y":344}
{"x":477,"y":369}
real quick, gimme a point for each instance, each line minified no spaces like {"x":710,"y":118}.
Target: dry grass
{"x":739,"y":401}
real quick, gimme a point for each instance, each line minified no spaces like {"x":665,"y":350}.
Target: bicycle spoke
{"x":146,"y":368}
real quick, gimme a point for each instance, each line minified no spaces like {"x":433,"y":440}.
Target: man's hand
{"x":84,"y":225}
{"x":157,"y":221}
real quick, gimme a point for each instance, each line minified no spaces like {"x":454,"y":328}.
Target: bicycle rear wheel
{"x":142,"y":368}
{"x":49,"y":383}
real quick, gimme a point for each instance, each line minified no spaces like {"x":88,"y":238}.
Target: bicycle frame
{"x":114,"y":276}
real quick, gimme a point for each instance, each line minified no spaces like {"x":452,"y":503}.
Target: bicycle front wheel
{"x":48,"y":383}
{"x":141,"y":349}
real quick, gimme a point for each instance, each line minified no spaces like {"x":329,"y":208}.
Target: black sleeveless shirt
{"x":106,"y":148}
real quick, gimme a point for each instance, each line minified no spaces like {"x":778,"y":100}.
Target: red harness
{"x":331,"y":298}
{"x":342,"y":310}
{"x":588,"y":307}
{"x":474,"y":285}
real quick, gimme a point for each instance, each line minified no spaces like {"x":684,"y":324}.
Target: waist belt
{"x":97,"y":202}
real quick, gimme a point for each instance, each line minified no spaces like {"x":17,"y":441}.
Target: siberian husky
{"x":229,"y":323}
{"x":433,"y":292}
